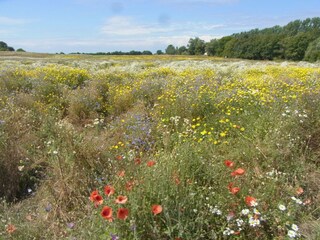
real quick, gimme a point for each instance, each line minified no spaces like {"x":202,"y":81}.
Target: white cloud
{"x":127,"y":26}
{"x":121,"y":25}
{"x":207,"y":38}
{"x":11,"y":21}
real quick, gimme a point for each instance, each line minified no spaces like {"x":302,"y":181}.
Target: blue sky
{"x":109,"y":25}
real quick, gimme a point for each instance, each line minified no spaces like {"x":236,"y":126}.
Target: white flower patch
{"x":282,"y":207}
{"x":228,"y":232}
{"x":245,"y":212}
{"x":253,"y":222}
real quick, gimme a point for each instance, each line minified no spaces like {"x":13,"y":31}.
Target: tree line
{"x":298,"y":40}
{"x":132,"y":52}
{"x":5,"y":47}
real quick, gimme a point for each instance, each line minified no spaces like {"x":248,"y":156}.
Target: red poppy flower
{"x":250,"y":201}
{"x":108,"y":190}
{"x":156,"y":209}
{"x":11,"y":228}
{"x":228,"y":163}
{"x":123,"y":213}
{"x":106,"y":213}
{"x":151,"y":163}
{"x":93,"y":195}
{"x":234,"y":190}
{"x":121,"y":199}
{"x":98,"y":200}
{"x":238,"y":172}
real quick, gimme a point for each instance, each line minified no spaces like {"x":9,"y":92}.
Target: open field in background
{"x":158,"y":147}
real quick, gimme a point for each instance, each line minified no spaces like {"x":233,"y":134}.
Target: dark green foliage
{"x":20,"y":50}
{"x":313,"y":51}
{"x":296,"y":46}
{"x":146,"y":52}
{"x":159,"y":52}
{"x":5,"y":47}
{"x":196,"y":46}
{"x":289,"y":42}
{"x":183,"y":50}
{"x":171,"y":50}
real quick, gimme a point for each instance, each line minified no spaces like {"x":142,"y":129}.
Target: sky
{"x":109,"y":25}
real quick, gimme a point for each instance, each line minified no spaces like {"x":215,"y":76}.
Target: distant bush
{"x":20,"y":50}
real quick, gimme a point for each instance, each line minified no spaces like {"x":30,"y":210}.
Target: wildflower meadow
{"x":158,"y":147}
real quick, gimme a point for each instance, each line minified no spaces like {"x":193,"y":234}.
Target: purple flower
{"x":70,"y":225}
{"x":114,"y":237}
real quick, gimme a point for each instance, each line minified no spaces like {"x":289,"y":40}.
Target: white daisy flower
{"x":294,"y":227}
{"x":292,"y":234}
{"x":245,"y":211}
{"x":282,"y":207}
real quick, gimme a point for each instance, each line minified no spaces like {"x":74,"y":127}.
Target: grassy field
{"x":158,"y":147}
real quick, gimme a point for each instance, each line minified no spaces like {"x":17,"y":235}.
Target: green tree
{"x":292,"y":28}
{"x":183,"y":50}
{"x":146,"y":52}
{"x":196,"y":46}
{"x":230,"y":48}
{"x":171,"y":50}
{"x":216,"y":46}
{"x":269,"y":47}
{"x":313,"y":51}
{"x":295,"y":47}
{"x":3,"y":46}
{"x":159,"y":52}
{"x":211,"y":47}
{"x":287,"y":42}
